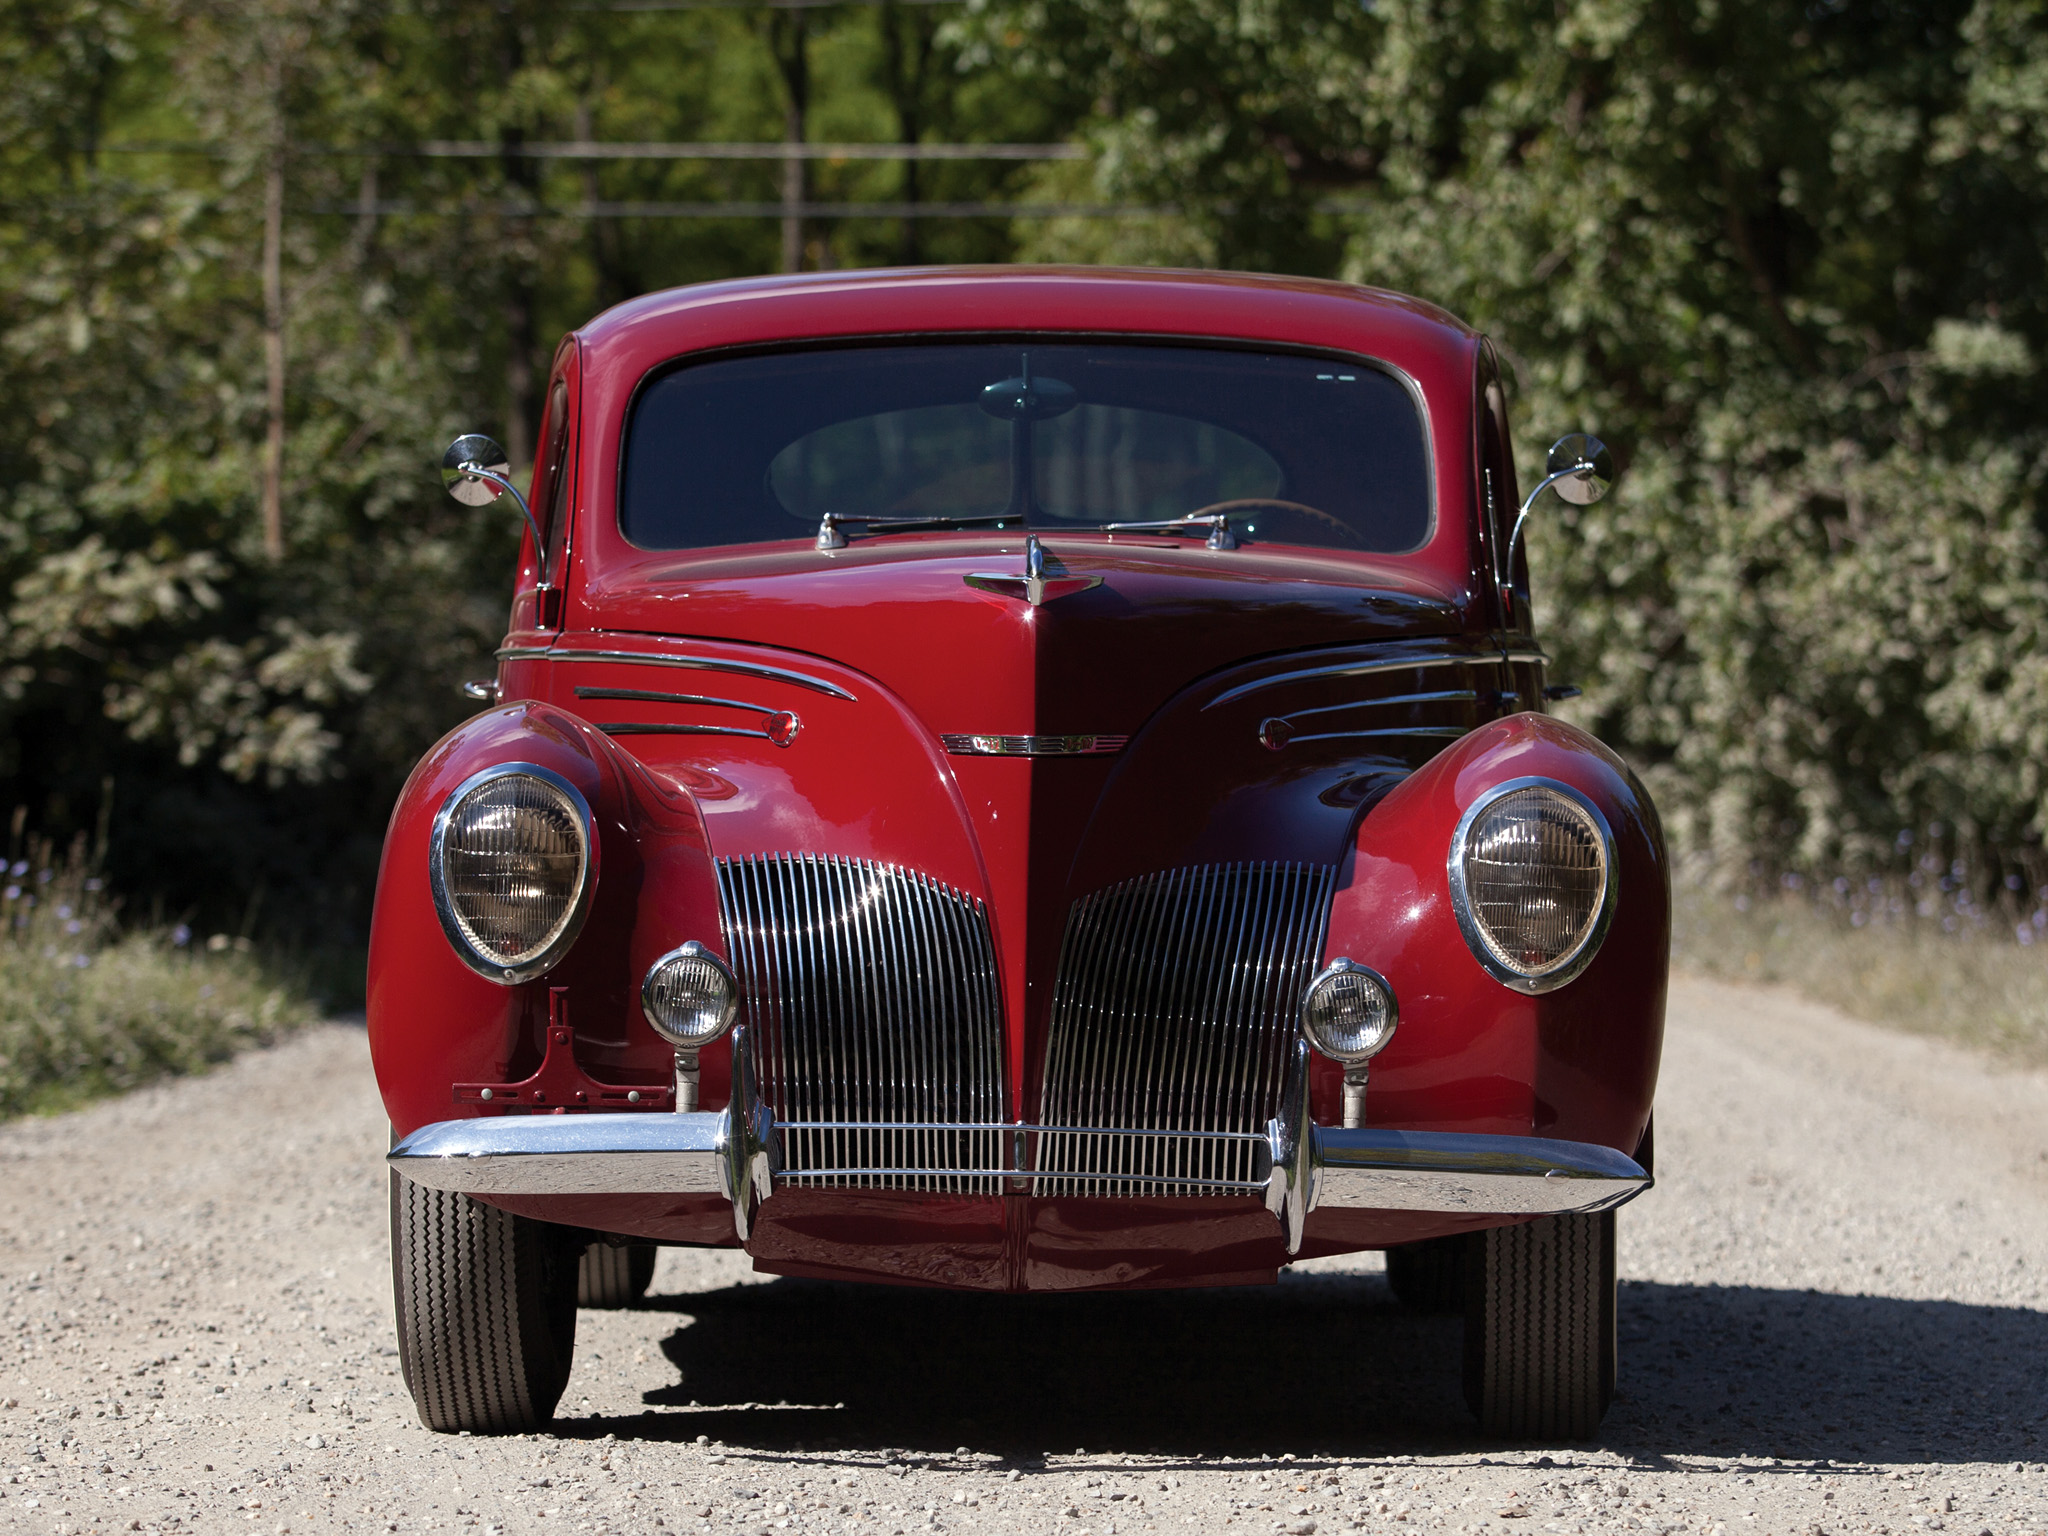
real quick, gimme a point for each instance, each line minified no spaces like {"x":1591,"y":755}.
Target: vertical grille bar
{"x":1174,"y":1010}
{"x":869,"y":992}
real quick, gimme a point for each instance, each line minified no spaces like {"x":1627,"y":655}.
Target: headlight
{"x":1349,"y":1012}
{"x":510,"y":867}
{"x":689,"y":997}
{"x":1532,"y":881}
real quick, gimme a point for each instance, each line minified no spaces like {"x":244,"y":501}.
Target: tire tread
{"x":615,"y":1275}
{"x":1540,"y":1327}
{"x":485,"y":1311}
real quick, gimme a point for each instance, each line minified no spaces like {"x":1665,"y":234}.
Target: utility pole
{"x":908,"y":63}
{"x":787,"y":29}
{"x":273,"y":321}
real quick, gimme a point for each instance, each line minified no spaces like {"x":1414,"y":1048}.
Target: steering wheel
{"x":1244,"y":505}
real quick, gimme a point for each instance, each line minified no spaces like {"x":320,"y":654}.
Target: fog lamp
{"x":1532,"y":882}
{"x":509,"y":864}
{"x":689,"y":997}
{"x":1349,"y":1012}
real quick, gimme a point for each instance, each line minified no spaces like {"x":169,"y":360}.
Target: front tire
{"x":486,"y":1306}
{"x":1539,"y":1327}
{"x":614,"y":1276}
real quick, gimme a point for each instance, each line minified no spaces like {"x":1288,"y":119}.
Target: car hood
{"x":1139,"y":619}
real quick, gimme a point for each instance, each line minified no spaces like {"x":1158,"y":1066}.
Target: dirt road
{"x":1834,"y":1318}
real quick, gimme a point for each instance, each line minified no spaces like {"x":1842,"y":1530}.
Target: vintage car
{"x":1022,"y":780}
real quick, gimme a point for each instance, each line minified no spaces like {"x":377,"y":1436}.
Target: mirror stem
{"x":540,"y":550}
{"x":1507,"y":574}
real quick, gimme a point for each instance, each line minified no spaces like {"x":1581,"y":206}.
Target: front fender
{"x":434,"y":1022}
{"x":1578,"y":1063}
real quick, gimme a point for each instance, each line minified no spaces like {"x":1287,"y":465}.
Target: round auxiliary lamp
{"x":690,"y":998}
{"x":1348,"y":1014}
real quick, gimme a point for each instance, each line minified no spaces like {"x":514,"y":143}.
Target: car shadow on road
{"x":1326,"y":1365}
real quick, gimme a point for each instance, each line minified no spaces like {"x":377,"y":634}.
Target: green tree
{"x":1787,"y":258}
{"x":230,"y":587}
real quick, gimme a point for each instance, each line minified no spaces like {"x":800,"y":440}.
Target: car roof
{"x":1156,"y":301}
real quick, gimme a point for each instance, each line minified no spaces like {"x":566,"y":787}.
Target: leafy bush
{"x":1790,"y":261}
{"x":86,"y":1009}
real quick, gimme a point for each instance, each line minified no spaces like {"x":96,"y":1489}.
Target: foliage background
{"x":1787,"y":258}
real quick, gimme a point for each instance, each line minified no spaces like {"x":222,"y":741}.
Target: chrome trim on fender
{"x":690,"y":663}
{"x":961,"y":744}
{"x":655,"y":696}
{"x":1388,"y":701}
{"x":1278,"y":740}
{"x":646,"y":728}
{"x":1461,"y":903}
{"x":1351,"y":669}
{"x":579,"y":906}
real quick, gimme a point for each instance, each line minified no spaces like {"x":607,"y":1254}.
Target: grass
{"x":1913,"y":956}
{"x":88,"y":1009}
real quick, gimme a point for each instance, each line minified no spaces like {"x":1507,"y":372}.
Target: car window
{"x":1303,"y":449}
{"x":1094,"y":463}
{"x":554,"y":476}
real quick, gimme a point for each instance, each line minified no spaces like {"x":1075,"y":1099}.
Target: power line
{"x":594,"y":149}
{"x":746,"y":5}
{"x":777,"y":210}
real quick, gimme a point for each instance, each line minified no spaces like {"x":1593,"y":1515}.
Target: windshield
{"x":1062,"y":435}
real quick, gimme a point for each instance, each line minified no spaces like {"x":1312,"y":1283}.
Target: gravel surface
{"x":1834,"y":1319}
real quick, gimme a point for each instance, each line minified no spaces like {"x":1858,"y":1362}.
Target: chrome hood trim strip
{"x":688,"y":663}
{"x":1353,"y":669}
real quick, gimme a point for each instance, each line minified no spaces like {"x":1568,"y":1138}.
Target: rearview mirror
{"x":1580,"y":469}
{"x":464,"y":466}
{"x":476,"y":472}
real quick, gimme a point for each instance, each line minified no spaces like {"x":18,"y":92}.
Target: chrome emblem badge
{"x":1043,"y":580}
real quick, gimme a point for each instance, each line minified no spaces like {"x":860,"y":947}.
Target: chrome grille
{"x":1175,"y":1010}
{"x":869,"y":994}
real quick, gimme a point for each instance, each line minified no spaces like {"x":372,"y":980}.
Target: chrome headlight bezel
{"x":567,"y":928}
{"x":693,"y":950}
{"x":1567,"y":968}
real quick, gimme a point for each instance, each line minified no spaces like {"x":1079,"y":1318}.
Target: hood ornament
{"x":1043,"y":580}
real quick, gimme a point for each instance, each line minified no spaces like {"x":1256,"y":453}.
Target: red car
{"x":1021,"y":780}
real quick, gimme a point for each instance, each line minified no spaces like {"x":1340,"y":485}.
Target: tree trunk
{"x":273,"y":351}
{"x":523,"y":178}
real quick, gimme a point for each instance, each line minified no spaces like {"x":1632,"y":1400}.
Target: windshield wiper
{"x":830,"y":536}
{"x":1217,"y":524}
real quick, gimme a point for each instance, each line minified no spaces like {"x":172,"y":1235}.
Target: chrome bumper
{"x":735,"y":1153}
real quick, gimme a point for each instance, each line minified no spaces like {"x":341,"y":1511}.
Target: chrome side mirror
{"x":1580,"y":469}
{"x":474,"y":469}
{"x":476,"y":472}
